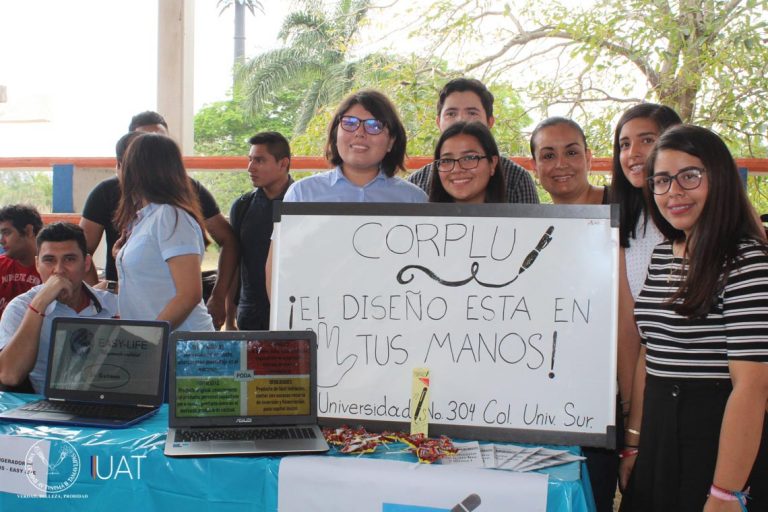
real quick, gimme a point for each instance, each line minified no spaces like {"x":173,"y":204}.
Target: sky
{"x":76,"y":71}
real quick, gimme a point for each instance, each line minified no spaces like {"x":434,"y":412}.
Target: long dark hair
{"x":382,"y":109}
{"x":153,"y":171}
{"x":494,"y":191}
{"x":726,"y":218}
{"x":629,"y":198}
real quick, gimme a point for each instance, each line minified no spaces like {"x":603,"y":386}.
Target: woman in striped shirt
{"x":701,"y":385}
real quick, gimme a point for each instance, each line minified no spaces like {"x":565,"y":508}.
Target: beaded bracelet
{"x":726,"y":495}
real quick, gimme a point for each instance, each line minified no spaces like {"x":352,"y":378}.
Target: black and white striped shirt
{"x":735,"y":329}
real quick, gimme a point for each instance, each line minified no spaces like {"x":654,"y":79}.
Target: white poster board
{"x":374,"y":485}
{"x":512,"y":308}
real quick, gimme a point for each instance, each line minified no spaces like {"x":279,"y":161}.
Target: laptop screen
{"x":258,"y":375}
{"x":113,"y":357}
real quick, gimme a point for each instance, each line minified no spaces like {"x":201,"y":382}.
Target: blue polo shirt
{"x":161,"y":232}
{"x":333,"y":187}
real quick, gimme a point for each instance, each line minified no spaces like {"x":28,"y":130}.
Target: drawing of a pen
{"x":545,"y":239}
{"x":421,"y":402}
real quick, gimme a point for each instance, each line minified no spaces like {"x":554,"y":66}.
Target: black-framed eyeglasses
{"x":352,"y":123}
{"x":467,"y":163}
{"x":688,"y":179}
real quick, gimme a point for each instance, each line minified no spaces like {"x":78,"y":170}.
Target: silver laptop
{"x":101,"y":372}
{"x":243,"y":393}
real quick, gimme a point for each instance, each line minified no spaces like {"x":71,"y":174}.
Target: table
{"x":127,"y":469}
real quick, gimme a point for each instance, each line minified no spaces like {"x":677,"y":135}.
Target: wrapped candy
{"x":359,"y":441}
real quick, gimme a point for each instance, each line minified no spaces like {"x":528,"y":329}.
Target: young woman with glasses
{"x":366,"y":144}
{"x":701,"y":385}
{"x":467,"y":168}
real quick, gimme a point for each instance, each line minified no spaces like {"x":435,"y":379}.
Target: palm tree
{"x":315,"y":52}
{"x":240,"y":7}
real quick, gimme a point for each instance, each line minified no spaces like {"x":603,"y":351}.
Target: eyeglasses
{"x":467,"y":163}
{"x":687,"y":179}
{"x":352,"y":123}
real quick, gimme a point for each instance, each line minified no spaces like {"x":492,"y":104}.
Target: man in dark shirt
{"x":467,"y":99}
{"x":269,"y":161}
{"x":102,"y":202}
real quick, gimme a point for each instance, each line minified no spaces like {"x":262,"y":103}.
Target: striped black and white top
{"x":736,"y":327}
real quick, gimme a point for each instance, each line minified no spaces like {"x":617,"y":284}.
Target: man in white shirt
{"x":25,"y":327}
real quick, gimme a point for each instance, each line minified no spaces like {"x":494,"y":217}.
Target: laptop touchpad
{"x":231,"y":446}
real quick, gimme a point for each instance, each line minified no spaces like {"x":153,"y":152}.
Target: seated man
{"x":19,"y":225}
{"x":562,"y":162}
{"x":25,"y":327}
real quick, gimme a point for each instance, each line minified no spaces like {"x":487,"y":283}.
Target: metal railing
{"x":757,"y":166}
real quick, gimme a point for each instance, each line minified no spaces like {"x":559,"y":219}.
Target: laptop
{"x":102,"y":372}
{"x":243,"y":393}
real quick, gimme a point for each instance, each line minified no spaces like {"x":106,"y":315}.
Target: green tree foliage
{"x":251,"y":5}
{"x":224,"y":127}
{"x":414,"y":89}
{"x":27,"y":187}
{"x":706,"y":58}
{"x":316,"y":52}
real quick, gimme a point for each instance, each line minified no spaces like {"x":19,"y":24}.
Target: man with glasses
{"x":467,"y":99}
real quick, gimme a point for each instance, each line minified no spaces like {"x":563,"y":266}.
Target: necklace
{"x":678,"y":252}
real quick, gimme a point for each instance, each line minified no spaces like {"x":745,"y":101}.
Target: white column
{"x":175,"y":73}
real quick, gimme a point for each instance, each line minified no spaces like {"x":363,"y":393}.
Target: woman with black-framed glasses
{"x":366,"y":144}
{"x":467,"y":168}
{"x":701,"y":384}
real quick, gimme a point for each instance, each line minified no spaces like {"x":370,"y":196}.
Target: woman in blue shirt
{"x":163,"y":237}
{"x":366,"y":142}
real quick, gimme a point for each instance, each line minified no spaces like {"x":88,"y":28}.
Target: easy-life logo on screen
{"x":63,"y":463}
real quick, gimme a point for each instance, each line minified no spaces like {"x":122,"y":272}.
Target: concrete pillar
{"x":175,"y":69}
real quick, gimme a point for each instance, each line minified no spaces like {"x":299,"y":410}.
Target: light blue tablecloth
{"x":125,"y":470}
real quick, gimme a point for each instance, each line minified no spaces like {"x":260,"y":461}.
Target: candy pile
{"x":359,"y":441}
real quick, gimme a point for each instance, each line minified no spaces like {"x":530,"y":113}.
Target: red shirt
{"x":15,"y":279}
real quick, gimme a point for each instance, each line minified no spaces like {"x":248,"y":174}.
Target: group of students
{"x":693,"y":291}
{"x":693,"y":343}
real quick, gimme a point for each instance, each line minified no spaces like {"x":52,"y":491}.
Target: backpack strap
{"x":243,"y":203}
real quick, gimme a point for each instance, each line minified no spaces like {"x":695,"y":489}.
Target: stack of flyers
{"x":509,"y":456}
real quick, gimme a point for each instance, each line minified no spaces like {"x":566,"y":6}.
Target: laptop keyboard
{"x":85,"y":410}
{"x":244,"y":434}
